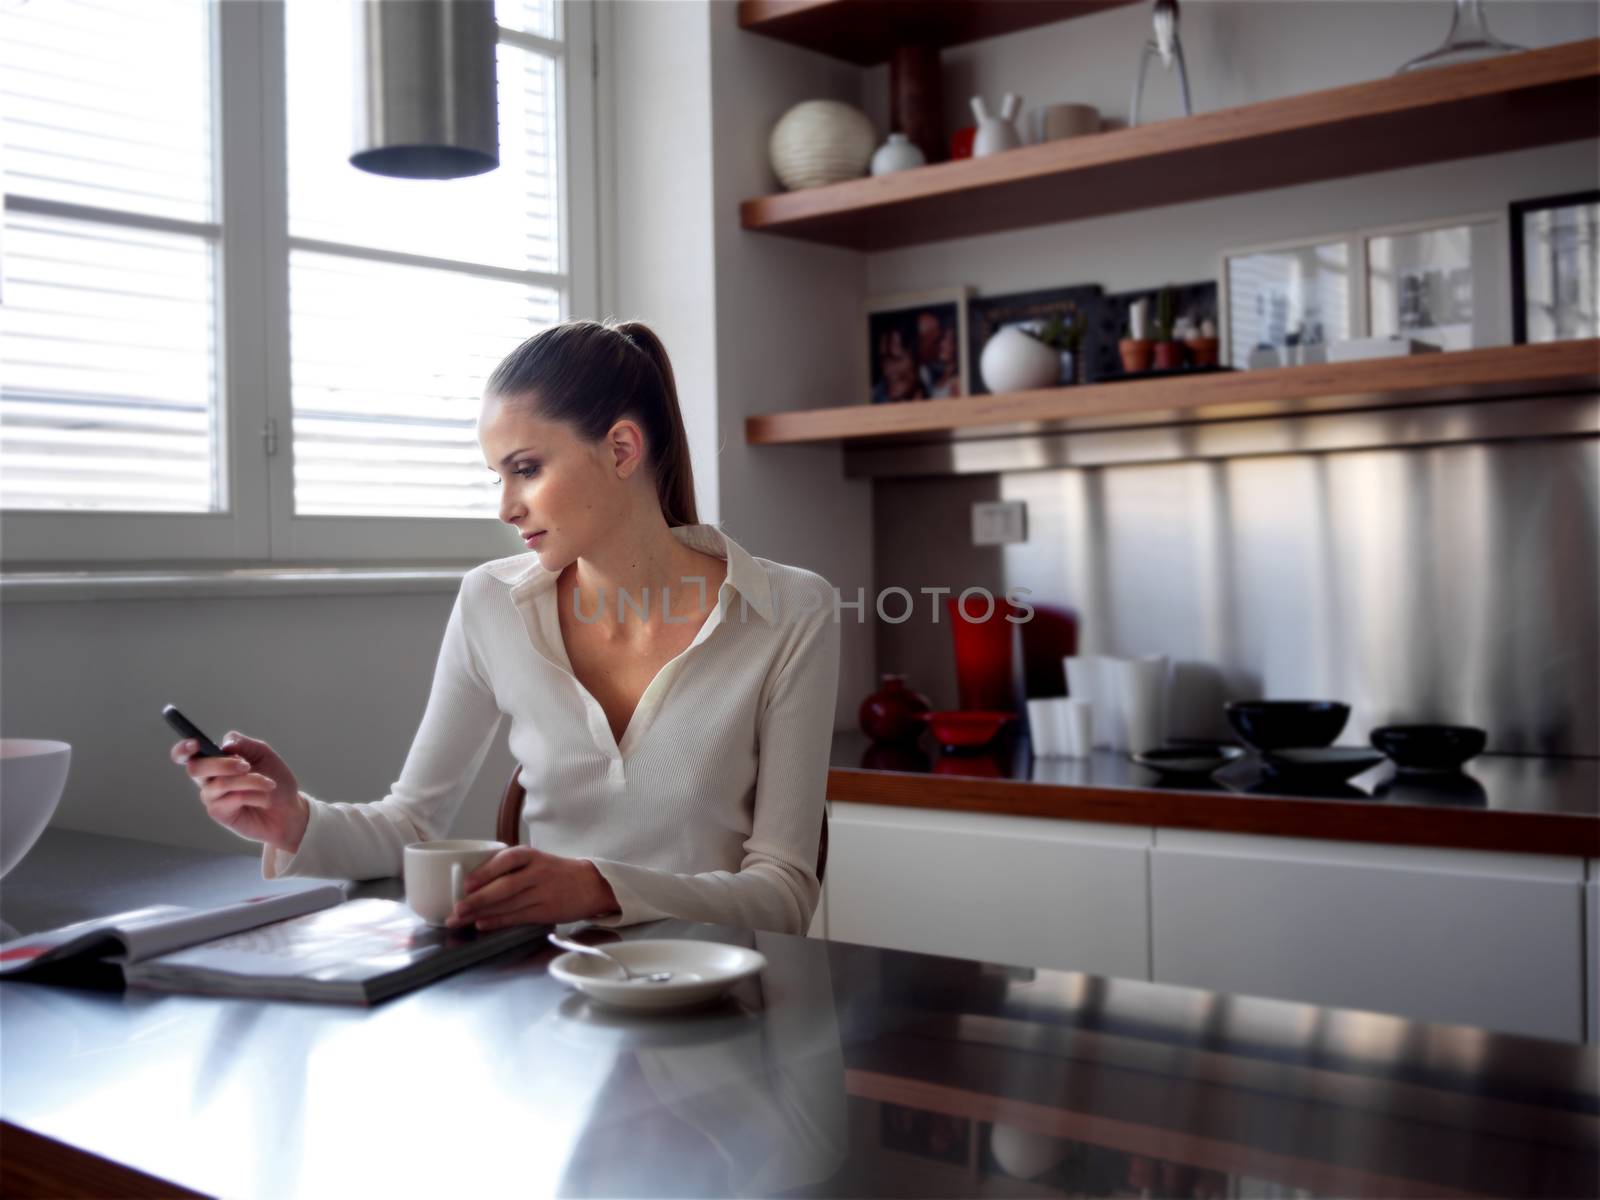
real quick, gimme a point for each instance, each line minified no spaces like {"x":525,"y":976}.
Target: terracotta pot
{"x":1169,"y":356}
{"x":891,"y":714}
{"x":1203,"y":351}
{"x":1135,"y":354}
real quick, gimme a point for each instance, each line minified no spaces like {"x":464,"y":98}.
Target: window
{"x":221,"y":341}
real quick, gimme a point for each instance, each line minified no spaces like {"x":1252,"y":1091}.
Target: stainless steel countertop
{"x":841,"y":1071}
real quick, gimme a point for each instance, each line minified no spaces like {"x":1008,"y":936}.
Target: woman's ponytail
{"x":674,"y":472}
{"x":590,"y":375}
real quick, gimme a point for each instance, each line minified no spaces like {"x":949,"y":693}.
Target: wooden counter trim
{"x":34,"y":1165}
{"x":1565,"y":834}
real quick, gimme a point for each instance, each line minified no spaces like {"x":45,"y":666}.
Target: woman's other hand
{"x":252,"y":791}
{"x":524,"y":886}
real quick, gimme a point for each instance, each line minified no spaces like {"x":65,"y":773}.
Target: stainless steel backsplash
{"x":1454,"y":583}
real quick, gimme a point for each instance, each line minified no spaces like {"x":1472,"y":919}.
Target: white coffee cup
{"x":1142,"y":695}
{"x":1056,"y":121}
{"x":434,"y":872}
{"x":1075,"y":719}
{"x":1041,"y":728}
{"x":1091,"y":677}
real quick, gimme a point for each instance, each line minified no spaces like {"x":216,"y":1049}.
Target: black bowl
{"x":1430,"y":747}
{"x":1283,"y":724}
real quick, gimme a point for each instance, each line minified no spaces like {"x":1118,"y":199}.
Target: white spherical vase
{"x":1014,"y":362}
{"x":1024,"y":1154}
{"x":899,"y":153}
{"x":819,"y":142}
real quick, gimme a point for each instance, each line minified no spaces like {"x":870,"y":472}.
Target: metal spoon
{"x":627,"y":975}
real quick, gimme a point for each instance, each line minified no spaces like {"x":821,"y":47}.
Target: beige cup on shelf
{"x":434,"y":872}
{"x":1056,"y":121}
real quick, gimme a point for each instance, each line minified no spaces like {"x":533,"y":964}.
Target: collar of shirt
{"x":746,"y":576}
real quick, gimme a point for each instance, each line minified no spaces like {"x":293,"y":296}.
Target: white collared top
{"x":710,"y":808}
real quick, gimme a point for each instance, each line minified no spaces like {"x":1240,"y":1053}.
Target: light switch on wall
{"x":997,"y":522}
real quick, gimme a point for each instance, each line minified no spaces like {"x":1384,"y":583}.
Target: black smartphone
{"x":187,"y":728}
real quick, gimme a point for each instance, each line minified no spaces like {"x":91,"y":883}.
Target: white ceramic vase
{"x":995,"y":133}
{"x":1014,"y":362}
{"x":899,"y":153}
{"x":819,"y":142}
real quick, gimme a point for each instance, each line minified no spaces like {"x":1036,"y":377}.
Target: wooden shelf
{"x":1534,"y":98}
{"x":867,"y":31}
{"x":1544,"y":369}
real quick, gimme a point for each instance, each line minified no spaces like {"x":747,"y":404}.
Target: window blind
{"x":108,"y":328}
{"x":388,"y":355}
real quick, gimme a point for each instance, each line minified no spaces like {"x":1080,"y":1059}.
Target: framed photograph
{"x":1440,"y":282}
{"x":917,"y":346}
{"x":929,"y":1135}
{"x":1555,"y":262}
{"x":1279,"y":300}
{"x":988,"y":315}
{"x":1197,"y":301}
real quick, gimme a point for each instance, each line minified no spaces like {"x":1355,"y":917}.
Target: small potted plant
{"x":1067,"y":339}
{"x":1202,"y":346}
{"x":1135,"y":346}
{"x":1168,"y":350}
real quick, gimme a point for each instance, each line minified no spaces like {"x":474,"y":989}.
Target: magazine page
{"x":157,"y":928}
{"x":148,"y":938}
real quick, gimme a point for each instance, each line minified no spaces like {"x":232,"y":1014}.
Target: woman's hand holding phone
{"x":251,"y":790}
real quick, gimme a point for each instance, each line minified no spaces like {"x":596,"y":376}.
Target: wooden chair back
{"x":506,"y":826}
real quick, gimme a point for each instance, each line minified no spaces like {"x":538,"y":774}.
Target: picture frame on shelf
{"x":1033,"y":310}
{"x":1284,"y":301}
{"x":1440,"y":282}
{"x":1195,"y":301}
{"x":917,"y":346}
{"x":1555,"y":267}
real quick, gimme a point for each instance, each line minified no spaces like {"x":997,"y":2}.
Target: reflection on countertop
{"x":1497,"y":785}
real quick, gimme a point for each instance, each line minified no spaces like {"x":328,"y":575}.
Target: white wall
{"x":335,"y":684}
{"x":655,"y":103}
{"x":790,"y":334}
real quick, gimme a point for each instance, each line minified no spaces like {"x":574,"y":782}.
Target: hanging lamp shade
{"x":425,"y":88}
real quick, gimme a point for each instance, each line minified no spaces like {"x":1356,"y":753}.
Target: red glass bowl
{"x":965,"y":729}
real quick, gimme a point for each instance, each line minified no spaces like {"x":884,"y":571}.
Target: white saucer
{"x":701,"y":971}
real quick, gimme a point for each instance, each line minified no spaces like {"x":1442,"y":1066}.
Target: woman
{"x":671,"y":696}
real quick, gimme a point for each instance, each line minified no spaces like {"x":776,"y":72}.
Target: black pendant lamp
{"x":425,"y":103}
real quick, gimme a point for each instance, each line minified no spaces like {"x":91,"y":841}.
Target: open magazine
{"x":142,"y":933}
{"x":309,"y":944}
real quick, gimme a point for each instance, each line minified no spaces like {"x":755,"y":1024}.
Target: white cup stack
{"x":1059,"y":727}
{"x":1127,"y":698}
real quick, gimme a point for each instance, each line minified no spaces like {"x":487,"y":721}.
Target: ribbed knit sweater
{"x":710,"y":808}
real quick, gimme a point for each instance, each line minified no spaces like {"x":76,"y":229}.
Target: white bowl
{"x":33,"y":772}
{"x":701,"y":971}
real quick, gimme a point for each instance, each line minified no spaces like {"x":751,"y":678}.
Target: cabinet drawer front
{"x":1503,"y":952}
{"x":992,"y":896}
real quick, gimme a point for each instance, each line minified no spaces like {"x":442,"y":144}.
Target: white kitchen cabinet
{"x":1481,"y":938}
{"x":1028,"y":891}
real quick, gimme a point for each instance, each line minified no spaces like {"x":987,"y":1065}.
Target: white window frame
{"x":259,"y":526}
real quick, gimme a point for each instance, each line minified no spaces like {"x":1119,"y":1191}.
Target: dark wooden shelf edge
{"x":1370,"y":821}
{"x":1549,"y":369}
{"x":864,"y":32}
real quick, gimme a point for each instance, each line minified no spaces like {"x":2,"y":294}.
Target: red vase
{"x":890,"y":713}
{"x":985,"y":681}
